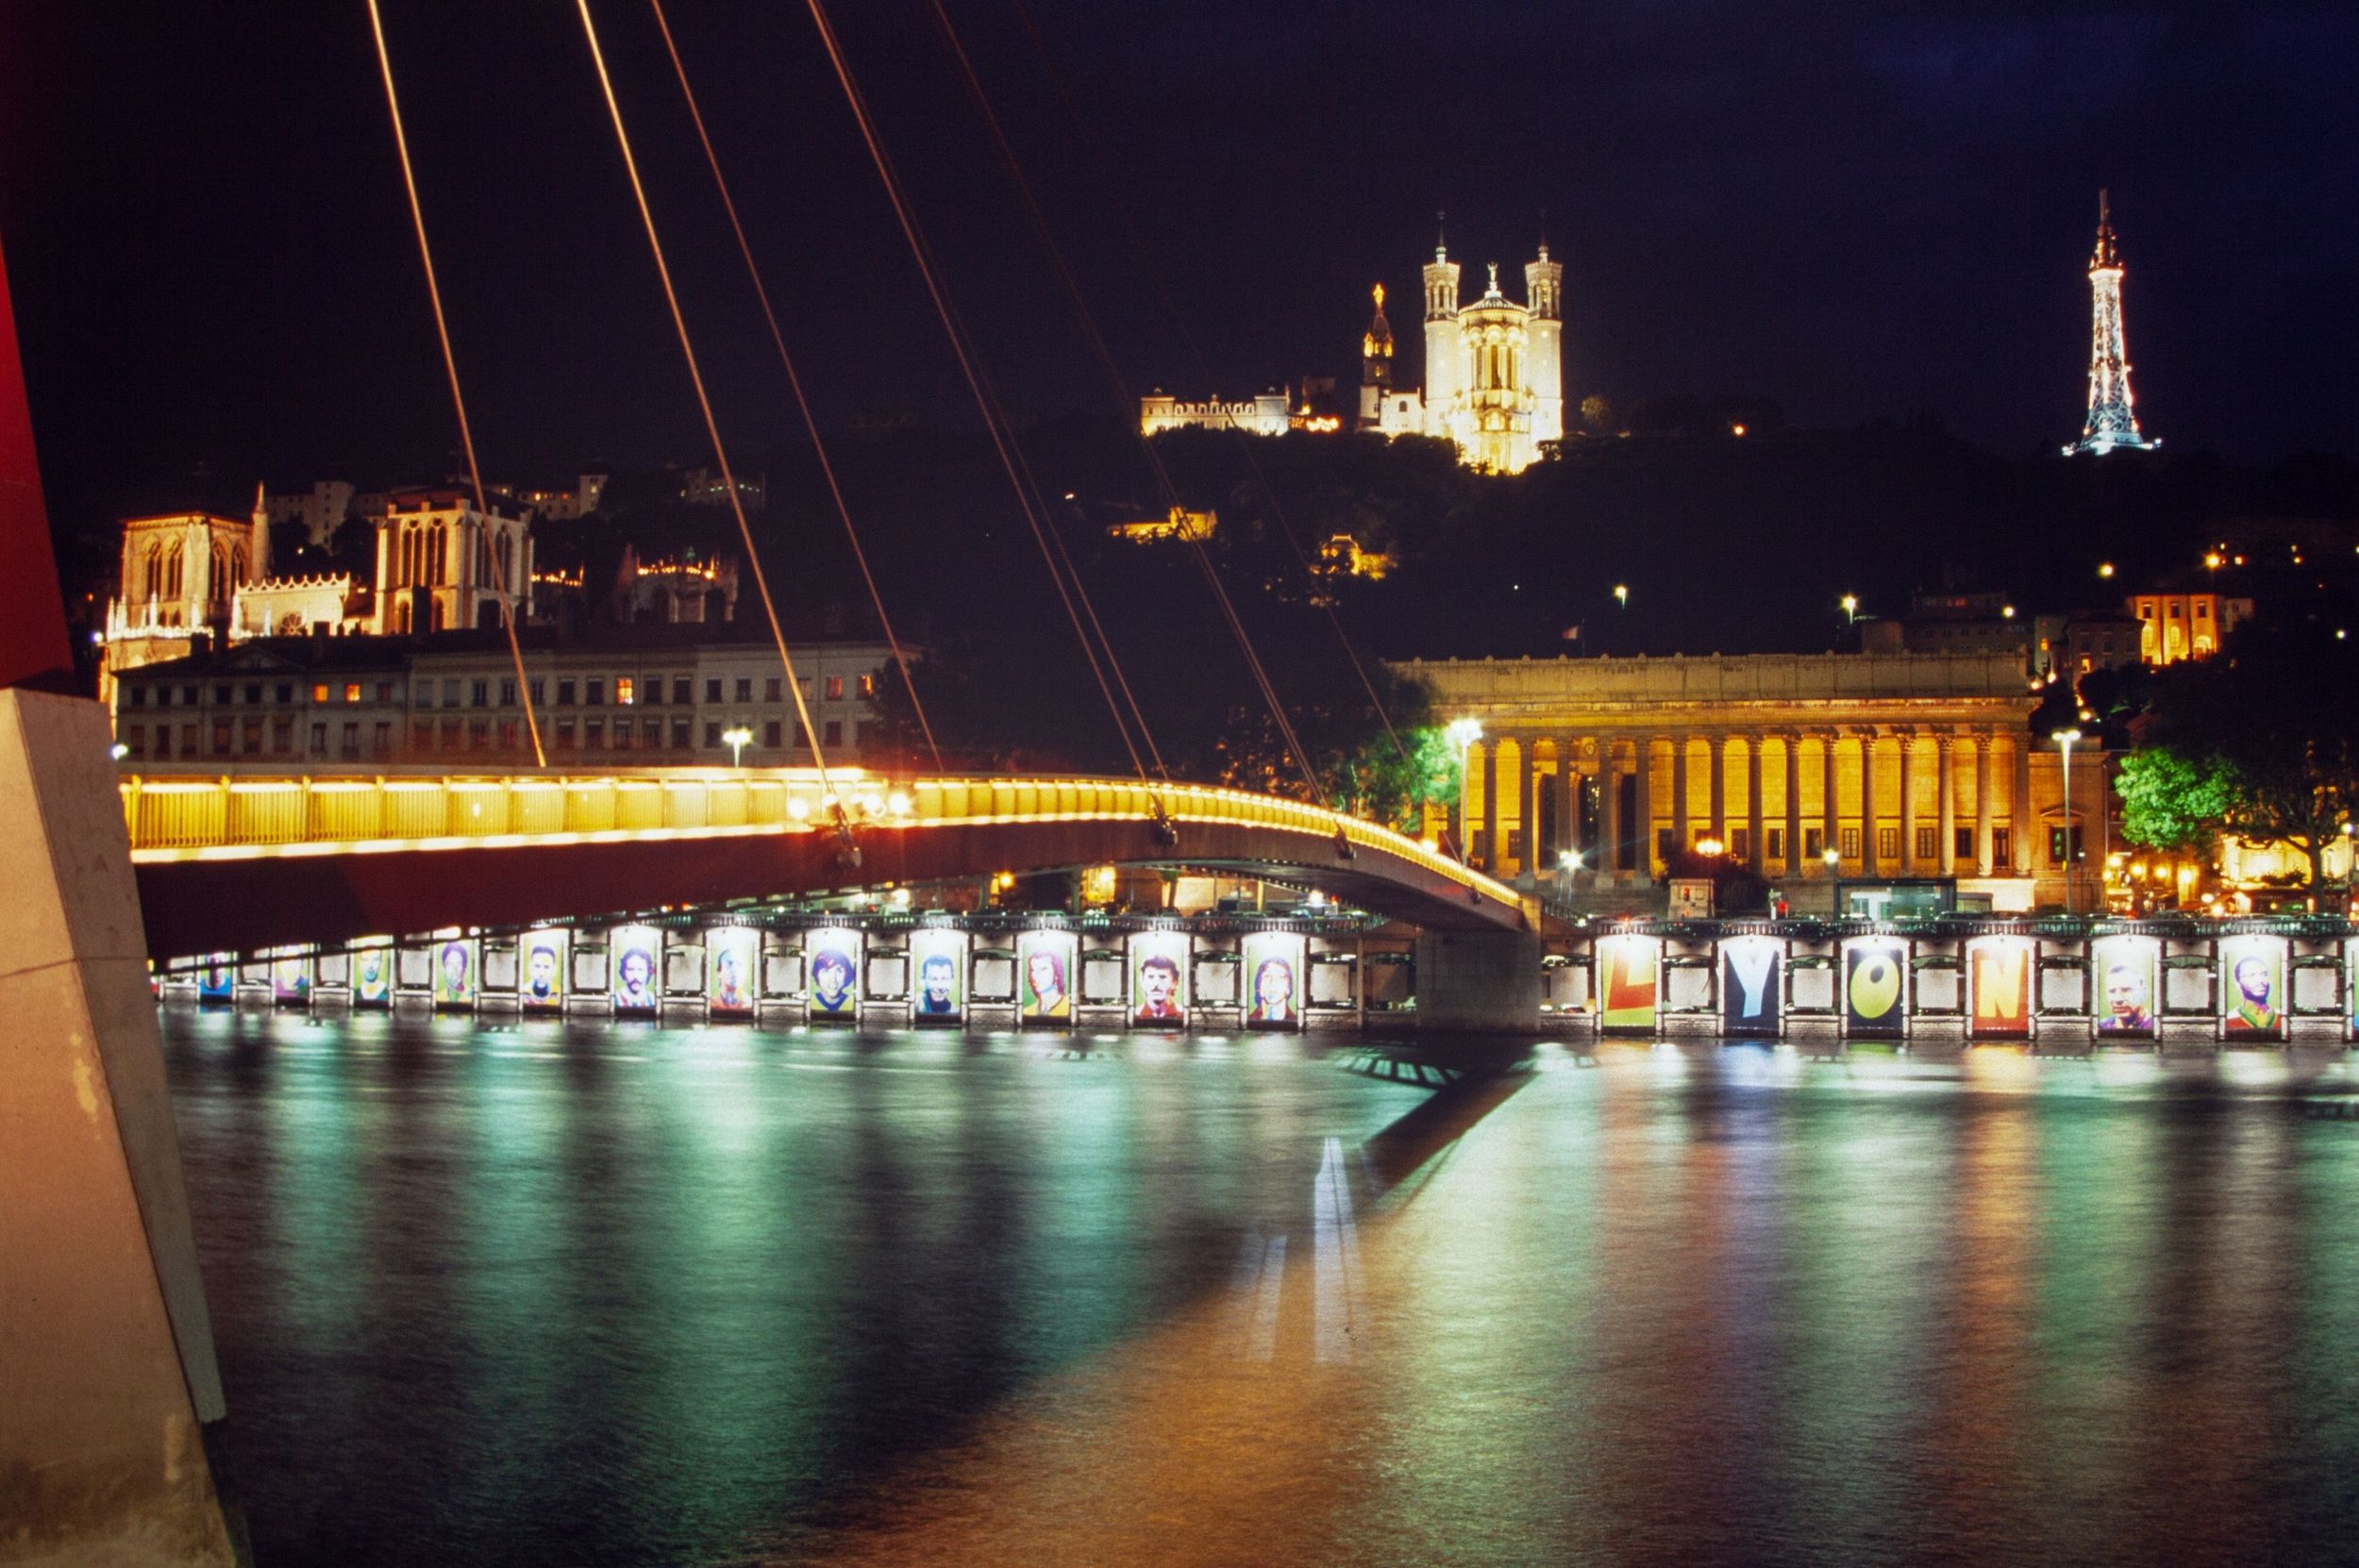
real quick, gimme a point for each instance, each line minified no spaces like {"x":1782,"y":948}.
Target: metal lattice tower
{"x":2112,"y":421}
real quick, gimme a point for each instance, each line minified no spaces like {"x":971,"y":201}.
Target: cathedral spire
{"x":2111,"y":419}
{"x":1441,"y":236}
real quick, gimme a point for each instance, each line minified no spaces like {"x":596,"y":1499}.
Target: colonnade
{"x":1855,"y":767}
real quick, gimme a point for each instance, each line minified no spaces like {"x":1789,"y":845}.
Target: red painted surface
{"x":33,"y":647}
{"x":195,"y":907}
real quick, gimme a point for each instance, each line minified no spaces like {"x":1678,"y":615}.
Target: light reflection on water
{"x":588,"y":1294}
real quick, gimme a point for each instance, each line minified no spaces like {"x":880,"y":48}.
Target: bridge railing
{"x":183,"y":816}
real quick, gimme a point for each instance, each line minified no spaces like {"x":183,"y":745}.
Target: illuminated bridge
{"x":243,"y":862}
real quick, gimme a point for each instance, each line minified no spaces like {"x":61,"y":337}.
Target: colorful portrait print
{"x":936,"y":959}
{"x":291,"y":980}
{"x":1875,"y":980}
{"x":218,"y":981}
{"x":2253,"y":988}
{"x":541,"y":969}
{"x":2125,"y":975}
{"x":831,"y":962}
{"x":634,"y":957}
{"x":732,"y":955}
{"x":454,"y":974}
{"x":1998,"y":987}
{"x":372,"y":975}
{"x":1628,"y":968}
{"x":1158,"y":986}
{"x":1751,"y":987}
{"x":1273,"y":969}
{"x":1044,"y":963}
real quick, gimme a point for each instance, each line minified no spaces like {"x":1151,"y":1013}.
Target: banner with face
{"x":1998,"y":987}
{"x":1158,"y":989}
{"x":372,"y":976}
{"x":1273,"y":971}
{"x":1043,"y":963}
{"x":831,"y":971}
{"x":937,"y":974}
{"x":454,"y":977}
{"x":634,"y":962}
{"x":1752,"y":987}
{"x":218,"y":981}
{"x":1628,"y":968}
{"x":1875,"y":981}
{"x":2126,"y":974}
{"x":2252,"y":987}
{"x":732,"y":969}
{"x":541,"y":969}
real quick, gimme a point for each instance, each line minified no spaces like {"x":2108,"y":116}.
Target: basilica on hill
{"x":1494,"y":369}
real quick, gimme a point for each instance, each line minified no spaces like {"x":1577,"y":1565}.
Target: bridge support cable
{"x":459,"y":401}
{"x":712,"y":429}
{"x":1128,"y":407}
{"x":795,"y":382}
{"x":987,"y":401}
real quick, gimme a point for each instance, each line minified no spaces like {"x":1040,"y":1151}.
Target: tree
{"x":1596,"y":413}
{"x":2173,"y":801}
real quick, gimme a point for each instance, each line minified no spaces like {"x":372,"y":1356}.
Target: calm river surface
{"x":589,"y":1294}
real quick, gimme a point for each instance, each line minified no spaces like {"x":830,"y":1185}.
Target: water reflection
{"x":569,"y":1294}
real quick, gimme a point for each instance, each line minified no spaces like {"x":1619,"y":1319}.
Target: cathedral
{"x":1493,"y":370}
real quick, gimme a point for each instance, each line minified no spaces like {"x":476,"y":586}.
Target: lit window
{"x":319,"y":693}
{"x":352,"y":691}
{"x":869,"y":686}
{"x":835,"y":687}
{"x":625,"y":690}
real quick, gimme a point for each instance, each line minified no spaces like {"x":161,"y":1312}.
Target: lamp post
{"x":2064,"y":739}
{"x":1462,"y":733}
{"x":739,"y":738}
{"x":1851,"y":609}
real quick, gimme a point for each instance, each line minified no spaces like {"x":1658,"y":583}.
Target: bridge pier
{"x":1478,"y":981}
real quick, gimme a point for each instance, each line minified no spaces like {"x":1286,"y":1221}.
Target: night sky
{"x":1855,"y":209}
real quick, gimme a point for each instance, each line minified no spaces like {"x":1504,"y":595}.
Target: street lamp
{"x":1621,"y":594}
{"x":2064,"y":739}
{"x":1710,"y":847}
{"x":739,"y":738}
{"x":1462,"y":733}
{"x":1850,"y":609}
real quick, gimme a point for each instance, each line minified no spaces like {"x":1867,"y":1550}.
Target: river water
{"x":586,"y":1293}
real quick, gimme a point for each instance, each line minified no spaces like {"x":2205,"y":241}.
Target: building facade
{"x":1589,"y":773}
{"x":444,"y":566}
{"x":1494,"y":369}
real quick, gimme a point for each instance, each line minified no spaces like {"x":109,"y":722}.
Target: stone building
{"x":1808,"y":768}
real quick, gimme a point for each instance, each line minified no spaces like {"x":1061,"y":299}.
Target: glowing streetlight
{"x":1621,"y":594}
{"x":1568,"y":860}
{"x":1850,"y":609}
{"x":1462,"y":733}
{"x":2064,"y":739}
{"x":1710,"y":847}
{"x":1832,"y":856}
{"x":738,"y":738}
{"x":2105,"y":569}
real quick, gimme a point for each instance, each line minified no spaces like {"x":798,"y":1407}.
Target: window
{"x":1740,"y":839}
{"x":1926,"y":846}
{"x":254,"y":695}
{"x":655,"y":691}
{"x":1814,"y":842}
{"x":712,"y":730}
{"x":771,"y":732}
{"x":1851,"y":843}
{"x":773,"y":689}
{"x":319,"y":693}
{"x":384,"y":690}
{"x":594,"y":692}
{"x":479,"y":734}
{"x":2002,"y":845}
{"x":564,"y":693}
{"x":507,"y":692}
{"x":221,"y":694}
{"x":835,"y":687}
{"x":869,"y":686}
{"x":136,"y":738}
{"x":679,"y":734}
{"x":163,"y":740}
{"x":450,"y":692}
{"x":713,"y":690}
{"x":188,"y":741}
{"x":2058,"y":851}
{"x":479,"y":694}
{"x":540,"y":690}
{"x":250,"y":736}
{"x":652,"y":729}
{"x":351,"y":748}
{"x":744,"y":688}
{"x":381,"y":738}
{"x":421,"y":737}
{"x":1889,"y":844}
{"x":426,"y":693}
{"x":1777,"y":843}
{"x":447,"y":737}
{"x":565,"y":734}
{"x":681,"y":686}
{"x":139,"y":696}
{"x":188,"y":696}
{"x":508,"y":735}
{"x":624,"y":735}
{"x":835,"y":732}
{"x":286,"y":692}
{"x":626,"y":690}
{"x":352,"y":691}
{"x":319,"y":741}
{"x":593,"y":735}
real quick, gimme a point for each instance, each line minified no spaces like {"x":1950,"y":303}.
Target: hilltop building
{"x":1494,"y":369}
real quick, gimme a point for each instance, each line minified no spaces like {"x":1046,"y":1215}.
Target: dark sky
{"x":1857,"y":210}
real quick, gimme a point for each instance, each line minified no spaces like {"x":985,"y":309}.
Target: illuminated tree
{"x":1596,"y":413}
{"x":2174,"y":802}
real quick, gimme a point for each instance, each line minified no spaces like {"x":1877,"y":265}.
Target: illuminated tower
{"x":2111,"y":421}
{"x":1444,"y":359}
{"x":1544,"y":351}
{"x":1376,"y":366}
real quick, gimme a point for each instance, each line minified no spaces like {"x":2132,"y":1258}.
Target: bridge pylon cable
{"x":795,"y":381}
{"x":995,"y":419}
{"x":1168,"y":491}
{"x":712,"y":429}
{"x":459,"y":401}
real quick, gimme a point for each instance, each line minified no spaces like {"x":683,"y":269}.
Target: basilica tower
{"x":1544,"y":351}
{"x":1376,"y":366}
{"x":1445,"y":360}
{"x":2111,"y":421}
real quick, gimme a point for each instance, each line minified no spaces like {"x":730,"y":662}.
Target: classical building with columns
{"x":1905,"y":766}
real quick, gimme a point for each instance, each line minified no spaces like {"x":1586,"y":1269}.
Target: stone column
{"x":1827,"y":806}
{"x":1719,"y":744}
{"x":1567,"y":798}
{"x":1982,"y":803}
{"x":1679,"y":789}
{"x":1492,"y":837}
{"x":1793,"y":802}
{"x":1948,"y":860}
{"x":1867,"y":803}
{"x":1641,"y":763}
{"x":1760,"y":846}
{"x":1608,"y":859}
{"x":1528,"y":804}
{"x":1908,"y":803}
{"x":2020,"y":838}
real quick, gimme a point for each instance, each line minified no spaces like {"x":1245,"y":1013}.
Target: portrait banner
{"x":1875,"y":984}
{"x":832,"y":972}
{"x":1999,"y":988}
{"x":732,"y":953}
{"x":454,"y":974}
{"x":2126,"y":973}
{"x":2252,"y":987}
{"x":373,"y":974}
{"x":938,"y":970}
{"x":1044,"y":961}
{"x":1159,"y":987}
{"x":541,"y":967}
{"x":1629,"y":970}
{"x":1273,"y":968}
{"x":291,"y":980}
{"x":1752,"y":985}
{"x":634,"y":957}
{"x":218,"y":981}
